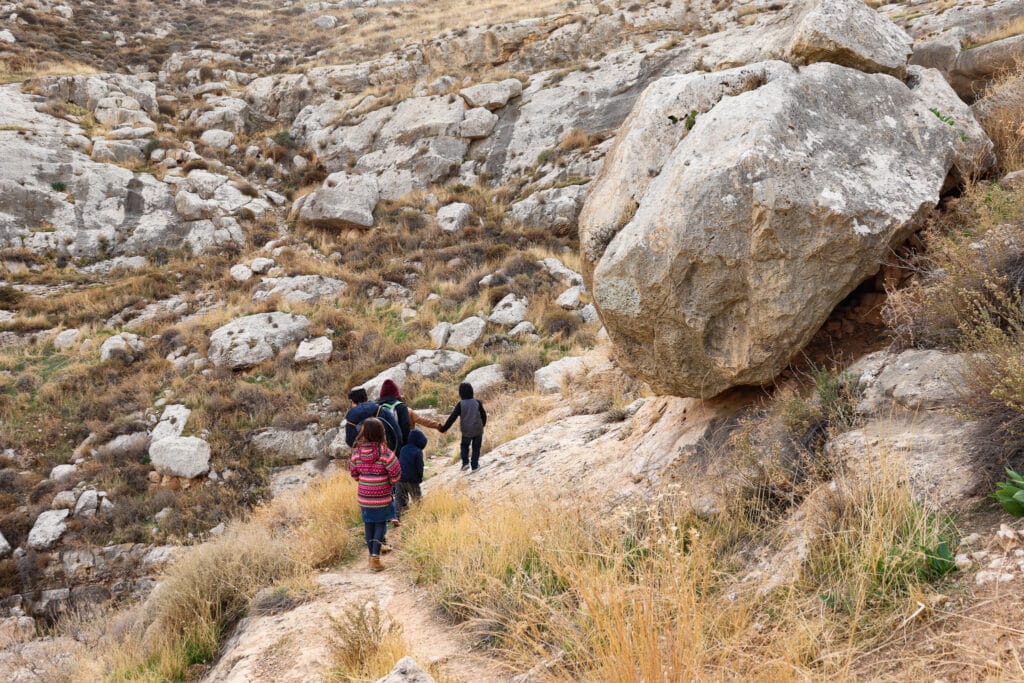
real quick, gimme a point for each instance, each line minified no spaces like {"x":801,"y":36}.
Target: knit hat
{"x":390,"y":390}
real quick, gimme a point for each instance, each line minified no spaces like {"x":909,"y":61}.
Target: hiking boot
{"x":375,"y":563}
{"x":465,"y":467}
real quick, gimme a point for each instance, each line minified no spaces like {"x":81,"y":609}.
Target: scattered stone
{"x":492,"y":95}
{"x":252,"y":339}
{"x":240,"y":273}
{"x":261,"y":265}
{"x":325,"y":22}
{"x":305,"y":289}
{"x":7,"y":37}
{"x":217,"y":139}
{"x":345,"y":201}
{"x":65,"y":500}
{"x":316,"y":350}
{"x":550,"y":378}
{"x":486,"y":378}
{"x":439,"y":334}
{"x":63,"y":473}
{"x":87,"y":504}
{"x":509,"y":311}
{"x":172,"y":422}
{"x":294,"y":445}
{"x":522,"y":329}
{"x":187,"y":457}
{"x":466,"y":333}
{"x":434,"y":362}
{"x":479,"y":123}
{"x":125,"y":347}
{"x":5,"y":547}
{"x":454,"y":217}
{"x":47,"y":530}
{"x":570,"y":299}
{"x":66,"y":339}
{"x":407,"y":671}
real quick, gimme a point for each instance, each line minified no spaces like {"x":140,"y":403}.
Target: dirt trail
{"x":294,"y":646}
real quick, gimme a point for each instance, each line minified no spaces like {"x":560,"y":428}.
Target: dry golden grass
{"x":366,"y":644}
{"x":657,"y":594}
{"x":210,"y":586}
{"x":1012,"y":28}
{"x":17,"y":70}
{"x":1001,"y":114}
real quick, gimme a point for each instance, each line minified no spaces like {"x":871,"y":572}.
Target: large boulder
{"x":305,"y":289}
{"x":718,"y":243}
{"x":344,"y":201}
{"x":970,"y":71}
{"x":47,"y":530}
{"x":181,"y":456}
{"x":850,"y":33}
{"x":252,"y":339}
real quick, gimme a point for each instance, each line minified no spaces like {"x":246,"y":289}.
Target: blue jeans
{"x":375,"y":532}
{"x":475,"y":442}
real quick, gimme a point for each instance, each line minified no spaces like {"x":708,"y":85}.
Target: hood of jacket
{"x":418,"y":439}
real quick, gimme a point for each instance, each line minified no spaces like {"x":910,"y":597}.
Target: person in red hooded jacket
{"x":391,"y":398}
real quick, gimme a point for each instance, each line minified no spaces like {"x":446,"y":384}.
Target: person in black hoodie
{"x":472,"y":420}
{"x":411,"y":459}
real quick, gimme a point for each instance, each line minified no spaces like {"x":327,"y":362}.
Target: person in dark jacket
{"x":411,"y":459}
{"x":472,"y":420}
{"x":391,"y":398}
{"x":362,"y":408}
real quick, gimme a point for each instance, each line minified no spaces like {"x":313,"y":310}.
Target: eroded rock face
{"x":717,"y":252}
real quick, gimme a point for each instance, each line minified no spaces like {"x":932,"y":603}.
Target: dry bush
{"x":518,"y":368}
{"x":654,"y":595}
{"x":1001,"y":114}
{"x":366,"y":644}
{"x":211,"y":586}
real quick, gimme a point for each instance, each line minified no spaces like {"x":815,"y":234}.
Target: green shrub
{"x":1010,"y":494}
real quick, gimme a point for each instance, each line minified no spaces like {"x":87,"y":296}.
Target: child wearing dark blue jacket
{"x":411,"y":459}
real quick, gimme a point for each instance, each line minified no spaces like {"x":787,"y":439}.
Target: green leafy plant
{"x":1010,"y":494}
{"x":58,"y":186}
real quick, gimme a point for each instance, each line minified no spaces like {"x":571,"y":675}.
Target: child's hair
{"x":372,"y":431}
{"x":357,"y":395}
{"x":465,"y":390}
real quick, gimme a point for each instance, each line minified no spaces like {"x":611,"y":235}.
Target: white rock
{"x":453,"y":217}
{"x":407,"y":671}
{"x":509,"y":311}
{"x":7,"y":37}
{"x":65,"y":500}
{"x":316,"y":350}
{"x":125,"y":346}
{"x":439,"y":334}
{"x":63,"y":472}
{"x":466,"y":333}
{"x":570,"y":299}
{"x":87,"y":504}
{"x":47,"y":530}
{"x":261,"y":264}
{"x":397,"y":374}
{"x":172,"y":422}
{"x":344,"y":201}
{"x":434,"y":362}
{"x":523,"y":328}
{"x":306,"y":289}
{"x":217,"y":139}
{"x":183,"y":456}
{"x":492,"y":95}
{"x":486,"y":378}
{"x":550,"y":378}
{"x":240,"y":272}
{"x":325,"y":22}
{"x":250,"y":340}
{"x":479,"y":123}
{"x":5,"y":547}
{"x":66,"y":339}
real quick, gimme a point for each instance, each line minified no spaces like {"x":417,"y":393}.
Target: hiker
{"x":363,"y":408}
{"x":411,"y":459}
{"x":376,"y":469}
{"x":421,"y":420}
{"x":391,"y":398}
{"x":472,"y":420}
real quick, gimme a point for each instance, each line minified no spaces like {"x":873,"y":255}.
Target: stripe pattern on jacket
{"x":376,"y":469}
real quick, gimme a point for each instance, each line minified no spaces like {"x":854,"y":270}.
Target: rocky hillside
{"x":722,"y":251}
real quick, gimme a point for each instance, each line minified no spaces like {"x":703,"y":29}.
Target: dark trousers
{"x":404,"y":491}
{"x":375,"y":532}
{"x":475,"y":442}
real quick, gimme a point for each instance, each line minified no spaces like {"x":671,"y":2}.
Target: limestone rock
{"x":509,"y":311}
{"x":724,"y":256}
{"x":47,"y":530}
{"x":570,"y":299}
{"x":486,"y":378}
{"x":87,"y":504}
{"x":397,"y":374}
{"x":969,"y":71}
{"x":344,"y":201}
{"x":182,"y":456}
{"x":478,"y":123}
{"x":466,"y":333}
{"x":550,"y":378}
{"x":65,"y":500}
{"x":240,"y":272}
{"x":915,"y":379}
{"x":556,"y":209}
{"x":217,"y":139}
{"x":5,"y":547}
{"x":293,"y":445}
{"x":306,"y":289}
{"x":66,"y":339}
{"x":492,"y":95}
{"x":124,"y":347}
{"x":849,"y":33}
{"x":252,"y":339}
{"x":439,"y":334}
{"x":434,"y":362}
{"x":261,"y":265}
{"x":316,"y":350}
{"x":172,"y":422}
{"x":407,"y":671}
{"x":453,"y":217}
{"x":64,"y":473}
